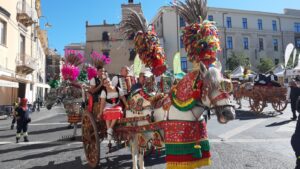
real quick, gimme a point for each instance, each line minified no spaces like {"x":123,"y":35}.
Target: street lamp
{"x":225,"y":39}
{"x":47,"y":24}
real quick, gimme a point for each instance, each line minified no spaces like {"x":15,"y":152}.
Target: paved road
{"x":250,"y":141}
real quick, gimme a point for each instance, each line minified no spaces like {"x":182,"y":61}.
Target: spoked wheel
{"x":90,"y":139}
{"x":279,"y":105}
{"x":257,"y":102}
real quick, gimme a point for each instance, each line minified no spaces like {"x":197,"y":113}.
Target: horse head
{"x":215,"y":93}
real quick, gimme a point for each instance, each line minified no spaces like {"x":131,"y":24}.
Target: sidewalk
{"x":36,"y":116}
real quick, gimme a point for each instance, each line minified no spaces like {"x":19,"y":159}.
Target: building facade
{"x":22,"y":51}
{"x":108,"y":40}
{"x":254,"y":34}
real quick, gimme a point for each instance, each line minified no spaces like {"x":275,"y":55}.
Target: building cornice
{"x":106,"y":25}
{"x":4,"y":11}
{"x":229,"y":10}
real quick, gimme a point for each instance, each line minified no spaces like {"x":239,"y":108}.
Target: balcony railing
{"x":25,"y":14}
{"x":25,"y":64}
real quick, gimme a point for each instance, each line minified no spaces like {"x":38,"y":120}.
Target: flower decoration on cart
{"x":98,"y":60}
{"x":70,"y":70}
{"x":146,"y":42}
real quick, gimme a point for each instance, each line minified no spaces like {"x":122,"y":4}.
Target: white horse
{"x":214,"y":96}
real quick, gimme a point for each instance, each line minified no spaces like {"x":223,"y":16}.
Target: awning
{"x":43,"y":85}
{"x":4,"y":83}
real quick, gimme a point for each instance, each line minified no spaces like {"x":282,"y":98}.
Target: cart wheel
{"x":279,"y":105}
{"x":257,"y":103}
{"x":90,"y":139}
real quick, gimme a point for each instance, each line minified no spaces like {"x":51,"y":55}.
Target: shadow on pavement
{"x":44,"y":154}
{"x":249,"y":115}
{"x":75,"y":164}
{"x":37,"y":132}
{"x":279,"y":123}
{"x":114,"y":162}
{"x":155,"y":158}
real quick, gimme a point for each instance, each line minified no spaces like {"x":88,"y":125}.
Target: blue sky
{"x":68,"y":17}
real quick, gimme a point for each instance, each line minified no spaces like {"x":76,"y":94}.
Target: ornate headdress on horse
{"x":147,"y":43}
{"x":200,"y":38}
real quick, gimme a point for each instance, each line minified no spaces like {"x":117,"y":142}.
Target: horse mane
{"x":214,"y":76}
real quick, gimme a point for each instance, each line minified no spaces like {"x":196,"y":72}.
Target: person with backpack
{"x":22,"y":117}
{"x":110,"y":109}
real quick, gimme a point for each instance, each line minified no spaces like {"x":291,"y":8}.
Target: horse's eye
{"x":226,"y":86}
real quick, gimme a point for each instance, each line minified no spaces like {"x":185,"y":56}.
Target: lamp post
{"x":47,"y":24}
{"x":225,"y":39}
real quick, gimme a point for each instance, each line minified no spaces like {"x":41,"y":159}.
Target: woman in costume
{"x":110,"y":109}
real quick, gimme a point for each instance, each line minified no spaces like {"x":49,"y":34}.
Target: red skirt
{"x":114,"y":113}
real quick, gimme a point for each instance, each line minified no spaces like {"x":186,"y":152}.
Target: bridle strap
{"x":222,"y":96}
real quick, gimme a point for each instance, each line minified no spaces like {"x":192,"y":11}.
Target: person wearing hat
{"x":22,"y":116}
{"x":140,"y":83}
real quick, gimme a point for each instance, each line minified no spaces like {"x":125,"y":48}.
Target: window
{"x":182,"y":22}
{"x":276,"y":61}
{"x":246,"y":43}
{"x":181,"y":42}
{"x":131,"y":37}
{"x":22,"y":47}
{"x":245,"y":23}
{"x":184,"y":66}
{"x":261,"y":44}
{"x":297,"y":27}
{"x":274,"y":25}
{"x":2,"y":32}
{"x":157,"y":24}
{"x":275,"y":44}
{"x":260,"y":24}
{"x":229,"y":42}
{"x":229,"y":24}
{"x":210,"y":18}
{"x":161,"y":20}
{"x":297,"y":43}
{"x":105,"y":36}
{"x":132,"y":54}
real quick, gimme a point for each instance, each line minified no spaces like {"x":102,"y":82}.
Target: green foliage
{"x":83,"y":76}
{"x":237,"y":59}
{"x":265,"y":65}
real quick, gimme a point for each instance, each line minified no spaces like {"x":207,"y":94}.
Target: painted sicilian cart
{"x":259,"y":96}
{"x":174,"y":120}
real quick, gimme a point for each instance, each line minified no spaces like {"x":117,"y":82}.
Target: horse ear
{"x":202,"y":68}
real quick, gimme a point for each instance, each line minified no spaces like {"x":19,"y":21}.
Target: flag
{"x":177,"y":63}
{"x":137,"y":66}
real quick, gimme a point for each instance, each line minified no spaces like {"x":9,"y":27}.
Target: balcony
{"x":25,"y":14}
{"x":25,"y":64}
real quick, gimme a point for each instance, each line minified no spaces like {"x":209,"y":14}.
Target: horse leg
{"x":134,"y":153}
{"x":141,"y":160}
{"x":74,"y":132}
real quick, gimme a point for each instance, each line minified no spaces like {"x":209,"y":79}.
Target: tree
{"x":237,"y":59}
{"x":265,"y":65}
